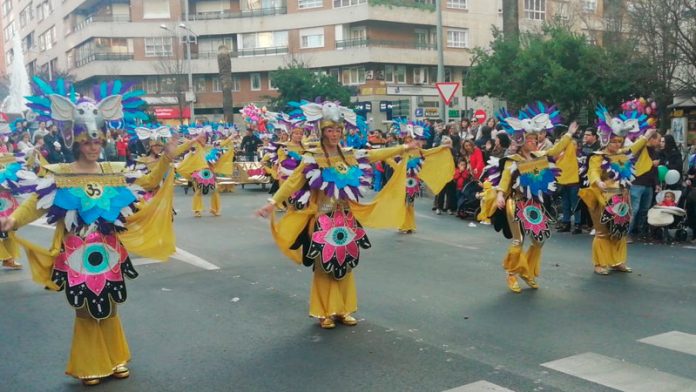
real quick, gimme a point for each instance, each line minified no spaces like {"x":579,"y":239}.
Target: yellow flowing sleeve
{"x":293,"y":184}
{"x":153,"y":179}
{"x":560,"y":146}
{"x":225,"y":165}
{"x":382,"y":154}
{"x":594,"y":170}
{"x":438,"y":168}
{"x":568,"y":163}
{"x":388,"y":208}
{"x":150,"y":231}
{"x":192,"y":163}
{"x":40,"y":259}
{"x":592,"y":195}
{"x":505,"y":184}
{"x":181,"y":149}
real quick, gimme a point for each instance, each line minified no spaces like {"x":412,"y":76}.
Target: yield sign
{"x":447,"y":90}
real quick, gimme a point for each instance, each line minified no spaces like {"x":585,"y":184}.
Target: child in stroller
{"x":668,"y":214}
{"x":467,"y":188}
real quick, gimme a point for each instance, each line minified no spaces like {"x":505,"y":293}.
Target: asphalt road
{"x":230,"y":314}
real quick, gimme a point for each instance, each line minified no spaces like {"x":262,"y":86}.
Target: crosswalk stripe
{"x":620,"y":375}
{"x":480,"y":386}
{"x":674,"y":340}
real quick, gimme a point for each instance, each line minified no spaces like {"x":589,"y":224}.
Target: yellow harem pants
{"x":606,"y":251}
{"x":9,"y":248}
{"x":517,"y":262}
{"x":330,"y":297}
{"x":409,"y":222}
{"x":198,"y":200}
{"x":98,"y":346}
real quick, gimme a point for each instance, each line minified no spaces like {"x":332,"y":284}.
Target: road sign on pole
{"x":447,"y":90}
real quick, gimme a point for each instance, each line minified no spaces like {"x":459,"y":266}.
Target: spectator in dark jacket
{"x":670,"y":155}
{"x":250,"y":144}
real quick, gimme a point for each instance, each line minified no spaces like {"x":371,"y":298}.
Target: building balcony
{"x":103,"y":56}
{"x":407,"y":3}
{"x":236,"y":14}
{"x":363,"y":43}
{"x":100,"y":18}
{"x":274,"y":51}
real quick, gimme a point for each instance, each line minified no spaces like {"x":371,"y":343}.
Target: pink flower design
{"x":93,"y":261}
{"x":8,"y":204}
{"x":619,"y":210}
{"x":338,"y":235}
{"x":412,"y":186}
{"x":533,"y":219}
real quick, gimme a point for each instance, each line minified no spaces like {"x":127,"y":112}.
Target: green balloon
{"x":662,"y":172}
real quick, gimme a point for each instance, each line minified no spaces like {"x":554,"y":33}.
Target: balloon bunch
{"x":254,"y":115}
{"x":667,"y":176}
{"x":643,"y":106}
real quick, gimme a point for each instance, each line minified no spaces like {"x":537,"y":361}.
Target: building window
{"x":9,"y":31}
{"x":6,"y":7}
{"x":389,"y":73}
{"x":535,"y":9}
{"x":304,"y":4}
{"x":236,"y":83}
{"x":400,"y":74}
{"x":268,"y":39}
{"x":589,"y":5}
{"x":255,"y":81}
{"x":420,"y":75}
{"x":156,"y":9}
{"x":354,"y":76}
{"x":48,"y":39}
{"x":9,"y":57}
{"x":312,"y":38}
{"x":347,"y":3}
{"x":168,"y":84}
{"x":217,"y":86}
{"x":271,"y":85}
{"x":457,"y":38}
{"x":395,"y":74}
{"x":151,"y":84}
{"x":158,"y":47}
{"x":459,"y":4}
{"x":26,"y":15}
{"x":335,"y":73}
{"x":199,"y":84}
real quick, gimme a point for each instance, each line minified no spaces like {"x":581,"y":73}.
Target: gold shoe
{"x":512,"y":284}
{"x":197,"y":214}
{"x":622,"y":268}
{"x":530,"y":282}
{"x":11,"y":264}
{"x":121,"y":372}
{"x":348,"y":320}
{"x":215,"y":213}
{"x":90,"y":382}
{"x":327,"y":323}
{"x":601,"y":271}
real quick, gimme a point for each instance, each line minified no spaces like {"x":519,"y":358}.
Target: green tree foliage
{"x":559,"y":67}
{"x":296,"y":82}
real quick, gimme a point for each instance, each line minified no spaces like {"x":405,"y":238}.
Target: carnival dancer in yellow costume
{"x":435,"y":167}
{"x":203,"y":164}
{"x":524,"y":192}
{"x":98,"y":221}
{"x":328,"y":233}
{"x":610,"y":172}
{"x":13,"y":174}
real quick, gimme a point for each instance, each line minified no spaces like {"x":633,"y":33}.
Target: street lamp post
{"x":190,"y":95}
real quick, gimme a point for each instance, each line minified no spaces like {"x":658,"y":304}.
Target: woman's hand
{"x":265,"y":211}
{"x":572,"y":128}
{"x":500,"y":200}
{"x":649,"y":133}
{"x":7,"y":224}
{"x":602,"y":185}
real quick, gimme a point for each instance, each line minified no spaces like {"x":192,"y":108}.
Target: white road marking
{"x":620,"y":375}
{"x":480,"y":386}
{"x":674,"y":340}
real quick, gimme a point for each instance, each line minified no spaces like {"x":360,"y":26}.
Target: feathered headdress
{"x":328,"y":113}
{"x":627,"y":125}
{"x":418,"y":130}
{"x":533,"y":118}
{"x":82,"y":118}
{"x":156,"y":135}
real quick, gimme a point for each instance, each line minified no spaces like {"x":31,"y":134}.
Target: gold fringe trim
{"x":82,"y":180}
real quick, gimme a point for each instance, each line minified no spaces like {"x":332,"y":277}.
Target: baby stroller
{"x":662,"y":219}
{"x":468,"y":205}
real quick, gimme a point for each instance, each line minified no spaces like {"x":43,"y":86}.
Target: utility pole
{"x":440,"y":57}
{"x":191,"y":94}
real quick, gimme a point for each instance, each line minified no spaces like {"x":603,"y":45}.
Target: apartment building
{"x":384,"y":50}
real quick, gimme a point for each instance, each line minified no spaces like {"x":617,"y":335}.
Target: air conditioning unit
{"x":369,"y":75}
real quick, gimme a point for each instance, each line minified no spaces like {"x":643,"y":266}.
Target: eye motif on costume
{"x":533,"y":219}
{"x":91,"y":271}
{"x":617,"y":216}
{"x":7,"y":204}
{"x":337,"y":239}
